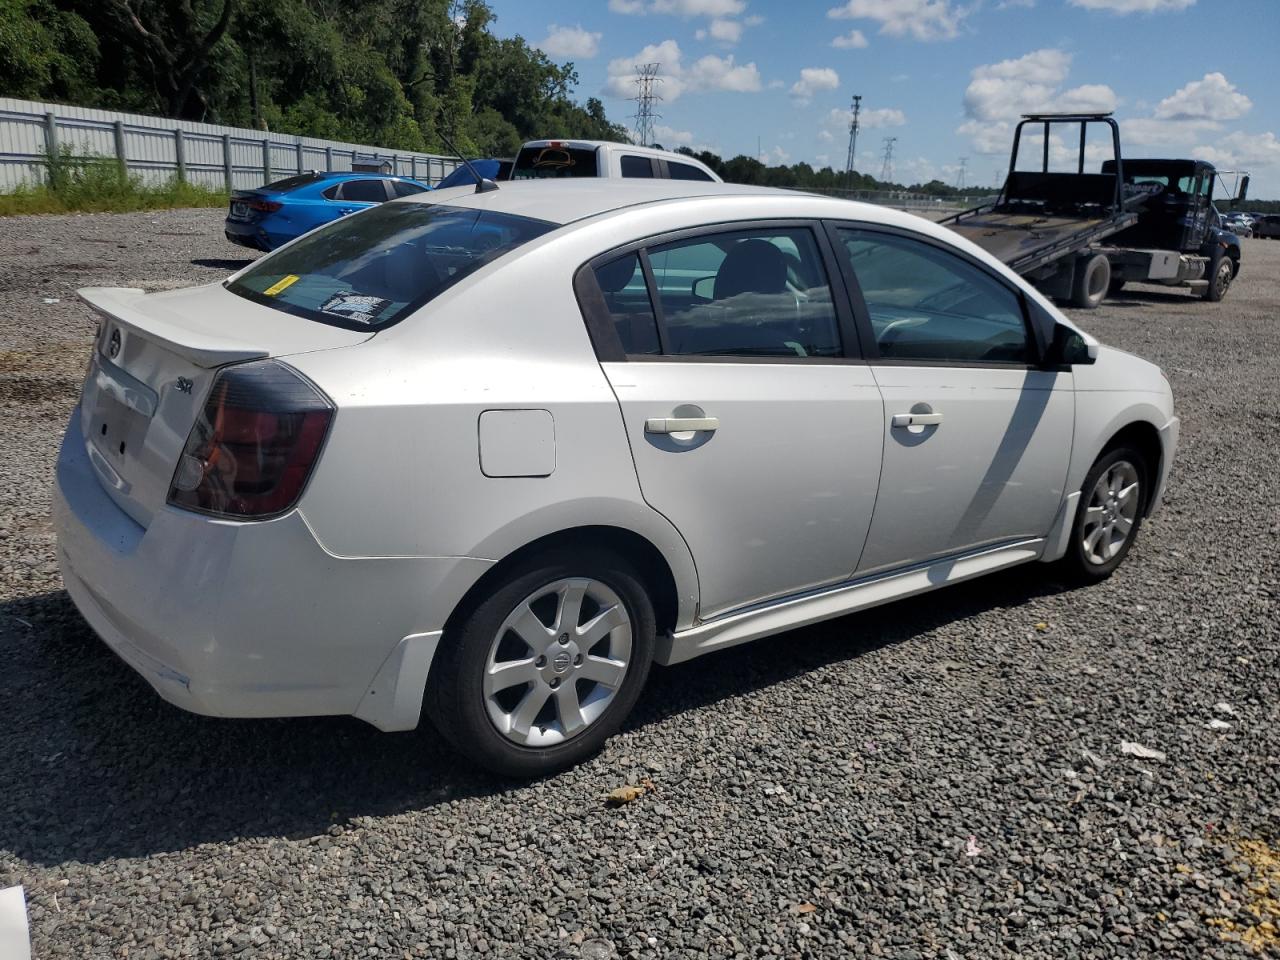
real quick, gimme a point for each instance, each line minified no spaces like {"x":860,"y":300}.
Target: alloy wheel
{"x":1112,"y":513}
{"x":557,"y":662}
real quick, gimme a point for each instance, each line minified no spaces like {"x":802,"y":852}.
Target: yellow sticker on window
{"x":281,"y":284}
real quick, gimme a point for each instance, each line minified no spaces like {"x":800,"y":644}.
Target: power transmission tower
{"x":886,"y":169}
{"x":853,"y":142}
{"x":647,"y":80}
{"x":964,"y":163}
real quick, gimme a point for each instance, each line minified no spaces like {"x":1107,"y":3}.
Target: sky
{"x":947,"y":78}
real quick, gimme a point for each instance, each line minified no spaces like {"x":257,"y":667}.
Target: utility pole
{"x":853,"y":142}
{"x":886,"y":169}
{"x":647,"y":80}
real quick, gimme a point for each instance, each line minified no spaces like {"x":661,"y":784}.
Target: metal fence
{"x":156,"y":149}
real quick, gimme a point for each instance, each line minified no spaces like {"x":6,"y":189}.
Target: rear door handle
{"x":917,"y":419}
{"x":681,"y":424}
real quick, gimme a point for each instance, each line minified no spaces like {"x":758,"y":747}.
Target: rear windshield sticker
{"x":281,"y":284}
{"x":354,"y":306}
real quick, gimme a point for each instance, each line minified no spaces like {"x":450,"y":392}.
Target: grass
{"x":100,"y":185}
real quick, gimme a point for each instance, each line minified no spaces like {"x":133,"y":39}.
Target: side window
{"x":750,"y":293}
{"x":333,"y":192}
{"x":685,"y":171}
{"x":627,"y":297}
{"x":927,"y":304}
{"x":406,"y":189}
{"x":637,"y":167}
{"x":364,"y":191}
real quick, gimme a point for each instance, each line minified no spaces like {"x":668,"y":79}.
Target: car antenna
{"x":483,"y":184}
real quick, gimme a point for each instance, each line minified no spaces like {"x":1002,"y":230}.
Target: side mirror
{"x":705,"y":288}
{"x":1068,"y":348}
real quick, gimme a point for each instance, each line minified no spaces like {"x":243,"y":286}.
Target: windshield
{"x":370,"y":270}
{"x":541,"y":162}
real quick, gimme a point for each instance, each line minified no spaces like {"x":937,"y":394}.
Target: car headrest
{"x":752,"y":266}
{"x":612,"y":277}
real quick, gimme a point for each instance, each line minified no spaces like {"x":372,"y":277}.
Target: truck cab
{"x":542,"y":159}
{"x":1178,"y":215}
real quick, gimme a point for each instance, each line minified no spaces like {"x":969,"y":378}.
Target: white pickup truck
{"x":603,"y":158}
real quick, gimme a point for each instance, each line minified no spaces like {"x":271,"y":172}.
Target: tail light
{"x":253,"y":447}
{"x":265,"y":206}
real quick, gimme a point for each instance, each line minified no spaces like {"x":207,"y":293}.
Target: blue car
{"x":490,"y":169}
{"x":273,"y":215}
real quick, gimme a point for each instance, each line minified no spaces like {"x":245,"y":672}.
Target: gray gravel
{"x":814,"y":795}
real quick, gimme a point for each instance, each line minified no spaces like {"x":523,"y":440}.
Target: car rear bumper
{"x":246,"y":233}
{"x":251,"y":619}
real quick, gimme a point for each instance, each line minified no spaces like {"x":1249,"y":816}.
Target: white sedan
{"x":494,"y":454}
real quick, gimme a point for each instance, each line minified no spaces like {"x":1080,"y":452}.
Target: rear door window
{"x":686,"y":171}
{"x":364,"y":191}
{"x":753,"y":293}
{"x":403,"y":188}
{"x":633,"y":166}
{"x":372,"y":270}
{"x":627,"y":297}
{"x":533,"y":163}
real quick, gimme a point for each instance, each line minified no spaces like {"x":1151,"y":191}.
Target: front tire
{"x":542,"y":671}
{"x":1221,"y":273}
{"x":1112,"y":503}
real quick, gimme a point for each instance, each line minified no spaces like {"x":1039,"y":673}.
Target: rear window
{"x":292,"y":183}
{"x":535,"y":163}
{"x":370,"y":270}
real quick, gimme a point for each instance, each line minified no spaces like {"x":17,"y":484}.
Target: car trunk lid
{"x":152,"y":366}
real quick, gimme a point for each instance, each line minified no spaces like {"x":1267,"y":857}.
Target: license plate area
{"x":120,"y":409}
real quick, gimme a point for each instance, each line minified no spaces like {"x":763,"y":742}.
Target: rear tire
{"x":1113,"y":499}
{"x":1092,"y":278}
{"x":1221,"y":273}
{"x":524,"y":692}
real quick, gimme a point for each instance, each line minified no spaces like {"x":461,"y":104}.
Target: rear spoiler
{"x":120,"y":305}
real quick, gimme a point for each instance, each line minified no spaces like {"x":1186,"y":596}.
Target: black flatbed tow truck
{"x":1078,"y":236}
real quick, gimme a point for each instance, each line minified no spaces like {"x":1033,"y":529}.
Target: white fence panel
{"x":156,"y":149}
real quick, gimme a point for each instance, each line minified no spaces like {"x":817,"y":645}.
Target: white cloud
{"x":1133,"y":6}
{"x":1213,"y":98}
{"x":669,"y":136}
{"x":680,"y":8}
{"x":775,"y":156}
{"x":572,"y":42}
{"x":1242,"y":150}
{"x":726,"y":31}
{"x":706,"y":74}
{"x":826,"y":136}
{"x":853,"y":40}
{"x":919,"y":19}
{"x":1005,"y":90}
{"x":813,"y":79}
{"x":999,"y":93}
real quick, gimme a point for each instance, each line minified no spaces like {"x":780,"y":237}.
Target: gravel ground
{"x":939,"y":778}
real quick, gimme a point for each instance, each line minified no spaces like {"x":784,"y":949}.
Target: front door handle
{"x":917,"y":419}
{"x":681,"y":424}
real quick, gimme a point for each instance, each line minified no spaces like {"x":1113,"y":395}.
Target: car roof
{"x":568,"y":200}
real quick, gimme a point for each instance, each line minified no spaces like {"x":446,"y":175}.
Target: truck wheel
{"x":1093,"y":277}
{"x":1220,"y":276}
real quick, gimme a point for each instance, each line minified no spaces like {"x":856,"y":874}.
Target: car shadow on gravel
{"x":98,"y":767}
